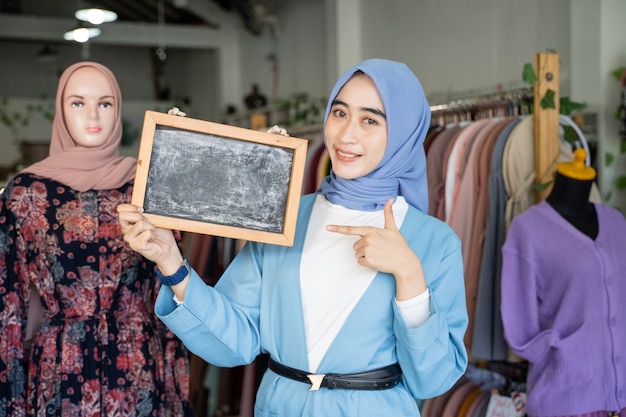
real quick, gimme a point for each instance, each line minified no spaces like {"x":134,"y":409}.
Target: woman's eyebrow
{"x":367,"y":109}
{"x":375,"y":111}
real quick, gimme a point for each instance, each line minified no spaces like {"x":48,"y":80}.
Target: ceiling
{"x":251,"y":13}
{"x":147,"y":11}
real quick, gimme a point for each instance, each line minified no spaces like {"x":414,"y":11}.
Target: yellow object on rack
{"x":577,"y":168}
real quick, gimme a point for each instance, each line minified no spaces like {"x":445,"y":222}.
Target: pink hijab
{"x":98,"y":168}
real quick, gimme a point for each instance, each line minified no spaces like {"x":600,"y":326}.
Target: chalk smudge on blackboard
{"x":226,"y":181}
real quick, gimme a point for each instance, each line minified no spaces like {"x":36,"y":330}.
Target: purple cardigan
{"x":564,"y":310}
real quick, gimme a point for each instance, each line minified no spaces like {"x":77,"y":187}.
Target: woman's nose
{"x":349,"y":132}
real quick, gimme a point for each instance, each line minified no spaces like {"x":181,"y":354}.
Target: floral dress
{"x":99,"y":350}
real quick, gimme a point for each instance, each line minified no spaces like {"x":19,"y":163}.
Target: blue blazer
{"x":256,"y":307}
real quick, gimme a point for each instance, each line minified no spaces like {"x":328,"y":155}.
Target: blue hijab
{"x":402,"y":170}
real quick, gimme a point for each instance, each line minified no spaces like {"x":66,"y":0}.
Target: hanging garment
{"x":488,"y":341}
{"x":311,"y":180}
{"x":435,"y":169}
{"x":456,"y":164}
{"x":468,"y":214}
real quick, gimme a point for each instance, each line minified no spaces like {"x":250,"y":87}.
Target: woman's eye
{"x":106,"y":105}
{"x":77,"y":104}
{"x":369,"y":121}
{"x":339,"y":113}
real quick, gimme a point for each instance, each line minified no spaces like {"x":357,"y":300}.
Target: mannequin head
{"x":570,"y":194}
{"x":577,"y":169}
{"x":89,"y":107}
{"x":572,"y":184}
{"x":86,"y":131}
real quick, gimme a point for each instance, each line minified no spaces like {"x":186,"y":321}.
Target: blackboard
{"x":211,"y":178}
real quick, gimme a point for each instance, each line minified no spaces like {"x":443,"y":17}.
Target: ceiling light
{"x":81,"y":34}
{"x":96,"y":16}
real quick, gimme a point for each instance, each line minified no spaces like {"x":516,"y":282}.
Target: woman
{"x":70,"y":287}
{"x":366,"y":312}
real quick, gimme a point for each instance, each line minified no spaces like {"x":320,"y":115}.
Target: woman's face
{"x":89,"y":107}
{"x":356,"y":129}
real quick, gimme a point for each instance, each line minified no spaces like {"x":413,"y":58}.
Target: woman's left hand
{"x":175,"y":111}
{"x":278,"y":130}
{"x":386,"y":250}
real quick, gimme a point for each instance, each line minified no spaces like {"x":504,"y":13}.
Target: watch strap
{"x":177,"y":277}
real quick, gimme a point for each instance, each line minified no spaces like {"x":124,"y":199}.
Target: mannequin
{"x":71,"y":289}
{"x":570,"y":194}
{"x":563,"y":286}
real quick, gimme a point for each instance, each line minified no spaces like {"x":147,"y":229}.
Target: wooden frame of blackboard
{"x":215,"y":179}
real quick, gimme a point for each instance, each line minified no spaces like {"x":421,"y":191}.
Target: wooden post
{"x":546,"y":123}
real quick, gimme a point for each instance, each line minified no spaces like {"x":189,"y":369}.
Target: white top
{"x":330,"y":272}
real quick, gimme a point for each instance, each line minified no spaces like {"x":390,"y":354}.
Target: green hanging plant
{"x":566,"y":105}
{"x":547,"y":101}
{"x":528,"y":74}
{"x":609,"y":157}
{"x":617,"y":74}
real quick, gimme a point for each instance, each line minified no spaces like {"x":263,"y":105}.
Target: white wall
{"x":299,"y":47}
{"x":612,"y":56}
{"x":458,"y":47}
{"x":598,"y":49}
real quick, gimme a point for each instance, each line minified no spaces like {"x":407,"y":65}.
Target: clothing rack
{"x":517,"y":102}
{"x":522,"y":97}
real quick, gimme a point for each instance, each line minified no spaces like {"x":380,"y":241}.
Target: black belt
{"x":377,"y":379}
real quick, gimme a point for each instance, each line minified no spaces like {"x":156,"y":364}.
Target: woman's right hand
{"x":154,"y":243}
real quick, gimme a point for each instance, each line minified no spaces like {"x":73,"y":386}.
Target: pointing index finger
{"x":346,"y":230}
